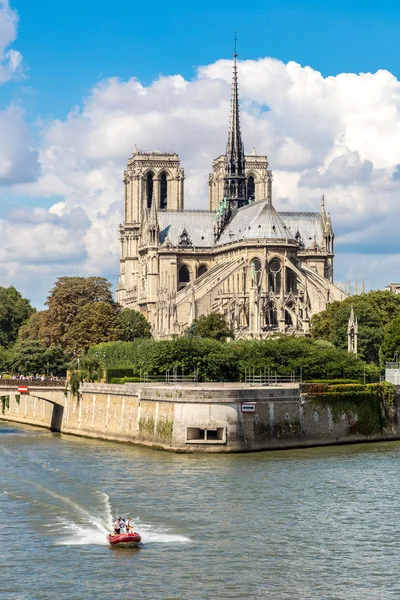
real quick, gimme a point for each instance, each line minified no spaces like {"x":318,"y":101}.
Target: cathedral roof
{"x":258,"y":221}
{"x":199,"y":226}
{"x":308,"y":224}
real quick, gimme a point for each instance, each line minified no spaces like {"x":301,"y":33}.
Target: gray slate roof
{"x":259,"y":220}
{"x":309,"y":224}
{"x":199,"y":225}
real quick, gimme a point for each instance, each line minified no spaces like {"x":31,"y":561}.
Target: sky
{"x":82,"y":83}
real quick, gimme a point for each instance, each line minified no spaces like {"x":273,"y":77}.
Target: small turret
{"x":352,"y":332}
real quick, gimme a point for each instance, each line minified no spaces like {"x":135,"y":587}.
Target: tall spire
{"x":235,"y":182}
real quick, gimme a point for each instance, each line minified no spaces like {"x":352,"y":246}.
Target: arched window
{"x":163,"y":191}
{"x":291,"y":280}
{"x":149,"y":189}
{"x":251,"y":188}
{"x":201,"y":270}
{"x":183,"y":277}
{"x":274,"y":275}
{"x":288,"y":319}
{"x":256,"y":270}
{"x":271,"y":316}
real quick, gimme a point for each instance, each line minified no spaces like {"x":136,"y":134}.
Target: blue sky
{"x":67,"y":127}
{"x":71,"y":44}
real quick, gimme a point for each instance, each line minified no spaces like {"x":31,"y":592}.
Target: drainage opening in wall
{"x":199,"y":435}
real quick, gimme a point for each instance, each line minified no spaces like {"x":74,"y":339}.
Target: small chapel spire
{"x":235,"y":182}
{"x":352,"y":332}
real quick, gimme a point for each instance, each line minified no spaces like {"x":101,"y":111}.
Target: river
{"x":292,"y":525}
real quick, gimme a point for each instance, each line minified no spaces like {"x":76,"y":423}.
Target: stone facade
{"x":264,"y":271}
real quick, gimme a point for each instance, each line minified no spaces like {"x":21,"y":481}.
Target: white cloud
{"x":10,"y":59}
{"x":336,"y":135}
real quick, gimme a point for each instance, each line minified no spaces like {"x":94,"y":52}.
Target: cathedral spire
{"x":235,"y":182}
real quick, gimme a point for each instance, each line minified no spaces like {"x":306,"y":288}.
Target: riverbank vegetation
{"x":83,"y":323}
{"x":212,"y":360}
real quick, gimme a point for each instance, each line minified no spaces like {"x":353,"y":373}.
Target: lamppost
{"x":48,"y":365}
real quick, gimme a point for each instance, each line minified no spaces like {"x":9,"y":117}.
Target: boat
{"x":124,"y":540}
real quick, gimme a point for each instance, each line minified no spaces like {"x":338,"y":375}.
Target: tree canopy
{"x":30,"y":357}
{"x":14,"y":311}
{"x":67,"y":298}
{"x":212,"y":326}
{"x":373,"y":310}
{"x":95,"y":322}
{"x":219,"y":361}
{"x":132,"y":325}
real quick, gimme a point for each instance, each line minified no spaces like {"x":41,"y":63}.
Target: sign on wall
{"x":248,"y":407}
{"x":23,"y":389}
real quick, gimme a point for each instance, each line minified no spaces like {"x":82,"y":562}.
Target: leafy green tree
{"x":14,"y":311}
{"x":32,"y":329}
{"x":30,"y":357}
{"x":219,"y":361}
{"x":84,"y":368}
{"x":212,"y":326}
{"x":95,"y":322}
{"x":374,"y":311}
{"x":391,"y":340}
{"x":133,"y":325}
{"x":68,"y":297}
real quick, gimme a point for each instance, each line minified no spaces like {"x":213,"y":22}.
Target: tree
{"x":30,"y":357}
{"x":95,"y":322}
{"x":133,"y":325}
{"x":212,"y":326}
{"x":32,"y":329}
{"x":391,"y":340}
{"x":14,"y":310}
{"x":66,"y":299}
{"x":373,"y":310}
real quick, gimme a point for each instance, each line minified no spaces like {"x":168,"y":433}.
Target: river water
{"x":293,"y":525}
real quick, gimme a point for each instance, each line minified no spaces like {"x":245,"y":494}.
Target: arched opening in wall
{"x":274,"y":275}
{"x":288,"y":319}
{"x":183,"y":277}
{"x":201,"y":270}
{"x":163,"y":191}
{"x":149,"y":188}
{"x":255,"y":271}
{"x":271,"y":316}
{"x":291,"y":280}
{"x":251,"y":188}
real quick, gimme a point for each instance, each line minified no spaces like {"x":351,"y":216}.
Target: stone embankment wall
{"x":201,"y":418}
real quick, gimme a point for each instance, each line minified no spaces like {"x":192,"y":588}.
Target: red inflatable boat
{"x":124,"y":540}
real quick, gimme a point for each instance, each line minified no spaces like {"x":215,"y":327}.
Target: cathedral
{"x":265,"y":271}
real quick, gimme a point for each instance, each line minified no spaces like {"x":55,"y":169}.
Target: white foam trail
{"x":151,"y":535}
{"x":83,"y":536}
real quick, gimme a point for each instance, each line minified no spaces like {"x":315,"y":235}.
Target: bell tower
{"x":152,"y":180}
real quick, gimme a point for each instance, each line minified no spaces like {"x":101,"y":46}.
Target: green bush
{"x":218,"y":361}
{"x":333,"y":381}
{"x":125,"y":380}
{"x":118,"y":373}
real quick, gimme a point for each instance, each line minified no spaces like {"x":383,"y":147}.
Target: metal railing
{"x":173,"y":376}
{"x":269,"y":377}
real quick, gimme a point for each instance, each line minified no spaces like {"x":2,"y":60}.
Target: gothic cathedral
{"x":264,"y":270}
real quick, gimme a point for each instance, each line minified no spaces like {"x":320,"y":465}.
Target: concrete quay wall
{"x":197,"y":418}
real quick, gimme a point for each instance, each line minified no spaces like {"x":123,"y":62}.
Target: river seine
{"x":293,"y":525}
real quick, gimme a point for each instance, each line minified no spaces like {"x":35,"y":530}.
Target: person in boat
{"x":117,"y":526}
{"x":129,"y":525}
{"x":122,"y":527}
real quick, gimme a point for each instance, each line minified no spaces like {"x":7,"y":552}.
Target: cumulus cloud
{"x":336,"y":135}
{"x":10,"y":59}
{"x":18,"y":161}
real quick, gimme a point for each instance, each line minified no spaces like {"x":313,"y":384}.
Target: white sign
{"x":248,"y":407}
